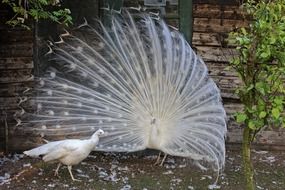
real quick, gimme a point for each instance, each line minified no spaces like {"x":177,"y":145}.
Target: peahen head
{"x":98,"y":133}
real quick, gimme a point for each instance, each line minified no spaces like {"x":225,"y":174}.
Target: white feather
{"x":69,"y":152}
{"x":140,"y":82}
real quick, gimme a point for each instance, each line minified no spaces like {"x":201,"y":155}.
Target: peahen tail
{"x":140,"y":82}
{"x":41,"y":150}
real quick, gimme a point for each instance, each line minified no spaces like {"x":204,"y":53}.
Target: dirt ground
{"x":136,"y":171}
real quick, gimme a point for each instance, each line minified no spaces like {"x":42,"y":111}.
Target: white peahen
{"x":139,"y":81}
{"x":68,"y":152}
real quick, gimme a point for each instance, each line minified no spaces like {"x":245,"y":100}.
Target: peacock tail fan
{"x":139,"y":81}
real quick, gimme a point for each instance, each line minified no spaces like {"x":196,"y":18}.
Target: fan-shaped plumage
{"x":140,"y":82}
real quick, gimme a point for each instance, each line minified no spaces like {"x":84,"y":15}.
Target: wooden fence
{"x":213,"y":20}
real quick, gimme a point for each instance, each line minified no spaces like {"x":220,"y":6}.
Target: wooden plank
{"x":227,"y":91}
{"x":207,"y":39}
{"x":217,"y":2}
{"x":16,"y":50}
{"x":227,"y":80}
{"x":14,"y":89}
{"x":16,"y":63}
{"x":16,"y":36}
{"x":217,"y":25}
{"x":215,"y":54}
{"x":216,"y":59}
{"x":8,"y":116}
{"x":15,"y":108}
{"x":271,"y":137}
{"x":20,"y":140}
{"x":231,"y":108}
{"x":221,"y":69}
{"x":20,"y":75}
{"x":218,"y":11}
{"x":9,"y":111}
{"x":211,"y":39}
{"x":8,"y":102}
{"x":227,"y":85}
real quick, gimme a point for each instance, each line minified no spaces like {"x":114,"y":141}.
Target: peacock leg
{"x":165,"y":155}
{"x":196,"y":162}
{"x":70,"y":172}
{"x":97,"y":167}
{"x":56,"y":171}
{"x":158,"y":159}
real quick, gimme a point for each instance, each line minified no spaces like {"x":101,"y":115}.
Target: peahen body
{"x":68,"y":152}
{"x":140,"y":82}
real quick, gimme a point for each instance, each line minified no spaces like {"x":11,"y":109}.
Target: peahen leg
{"x":56,"y":171}
{"x":70,"y":172}
{"x":165,"y":155}
{"x":158,"y":159}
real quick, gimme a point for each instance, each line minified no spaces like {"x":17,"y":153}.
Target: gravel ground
{"x":136,"y":171}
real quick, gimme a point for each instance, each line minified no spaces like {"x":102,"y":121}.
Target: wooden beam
{"x":186,"y":19}
{"x":6,"y":132}
{"x":112,"y":5}
{"x":209,"y":25}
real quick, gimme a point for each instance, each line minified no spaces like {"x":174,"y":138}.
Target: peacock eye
{"x":49,"y":92}
{"x":42,"y":83}
{"x":50,"y":112}
{"x":52,"y":75}
{"x":65,"y":86}
{"x":39,"y":106}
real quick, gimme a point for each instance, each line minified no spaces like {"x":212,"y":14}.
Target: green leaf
{"x":260,"y":87}
{"x":278,"y":101}
{"x":241,"y":117}
{"x":262,"y":114}
{"x":243,"y":31}
{"x":275,"y":113}
{"x":38,"y":10}
{"x":251,"y":124}
{"x":272,"y":40}
{"x":250,"y":87}
{"x":264,"y":55}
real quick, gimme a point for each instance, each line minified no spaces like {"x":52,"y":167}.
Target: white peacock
{"x":140,"y":82}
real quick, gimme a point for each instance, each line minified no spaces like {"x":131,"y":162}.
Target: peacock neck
{"x":154,"y":136}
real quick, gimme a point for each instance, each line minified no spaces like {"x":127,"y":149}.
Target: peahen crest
{"x":140,"y":82}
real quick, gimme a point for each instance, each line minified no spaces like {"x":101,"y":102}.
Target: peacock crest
{"x":136,"y":79}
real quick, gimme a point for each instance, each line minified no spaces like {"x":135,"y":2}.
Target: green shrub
{"x":37,"y":10}
{"x":261,"y":68}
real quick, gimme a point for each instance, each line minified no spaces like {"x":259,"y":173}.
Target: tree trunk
{"x":247,"y":165}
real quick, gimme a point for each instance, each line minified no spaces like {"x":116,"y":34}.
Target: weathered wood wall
{"x":16,"y":64}
{"x":213,"y":19}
